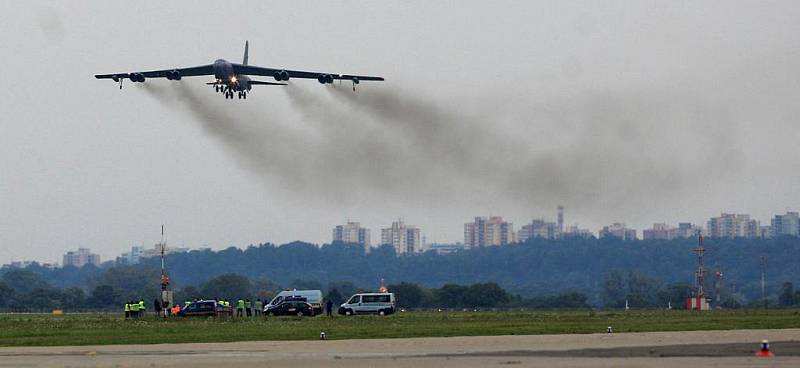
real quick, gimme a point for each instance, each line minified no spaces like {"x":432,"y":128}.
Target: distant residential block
{"x":81,"y":257}
{"x":729,"y":225}
{"x":446,"y":248}
{"x":539,"y":228}
{"x":788,"y":224}
{"x":617,"y":230}
{"x":405,"y":239}
{"x":488,"y":232}
{"x":352,"y":233}
{"x":665,"y":232}
{"x":574,"y":232}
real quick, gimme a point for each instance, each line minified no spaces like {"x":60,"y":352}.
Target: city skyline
{"x":353,"y":232}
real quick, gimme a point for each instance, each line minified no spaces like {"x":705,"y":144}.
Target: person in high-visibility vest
{"x":239,"y":308}
{"x":176,"y":309}
{"x":134,"y":310}
{"x":127,"y":310}
{"x":142,"y":310}
{"x":248,"y":307}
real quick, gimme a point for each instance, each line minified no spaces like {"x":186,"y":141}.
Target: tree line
{"x":607,"y":271}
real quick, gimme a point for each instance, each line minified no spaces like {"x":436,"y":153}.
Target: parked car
{"x":204,"y":308}
{"x":291,"y":308}
{"x":369,"y":303}
{"x":313,"y":297}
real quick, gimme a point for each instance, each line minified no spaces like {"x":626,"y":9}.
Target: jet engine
{"x":325,"y":78}
{"x":137,"y":77}
{"x":281,"y":75}
{"x":174,"y":75}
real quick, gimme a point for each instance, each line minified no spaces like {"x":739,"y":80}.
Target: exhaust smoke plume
{"x":380,"y":143}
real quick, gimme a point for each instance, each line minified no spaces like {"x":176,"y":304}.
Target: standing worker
{"x":239,"y":308}
{"x":141,"y":308}
{"x":127,"y":310}
{"x":157,"y":307}
{"x":259,"y":307}
{"x":329,"y":308}
{"x":248,"y":307}
{"x":134,"y":309}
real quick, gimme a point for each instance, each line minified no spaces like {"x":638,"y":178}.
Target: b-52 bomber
{"x":234,"y":79}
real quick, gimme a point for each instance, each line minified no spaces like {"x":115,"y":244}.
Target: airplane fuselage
{"x":225,"y":75}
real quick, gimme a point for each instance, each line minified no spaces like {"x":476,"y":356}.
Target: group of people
{"x":244,"y":307}
{"x":134,"y":309}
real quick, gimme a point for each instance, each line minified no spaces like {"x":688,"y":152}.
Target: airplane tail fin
{"x":246,"y":46}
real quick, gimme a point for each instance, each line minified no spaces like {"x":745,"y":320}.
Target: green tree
{"x":229,"y":286}
{"x":23,"y":281}
{"x":6,"y":295}
{"x":130,"y":282}
{"x":614,"y":289}
{"x":335,"y":297}
{"x":105,"y":297}
{"x":408,"y":295}
{"x":787,"y":297}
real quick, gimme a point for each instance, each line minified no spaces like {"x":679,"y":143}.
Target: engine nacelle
{"x":325,"y":78}
{"x":355,"y":80}
{"x":137,"y":77}
{"x":174,"y":75}
{"x":281,"y":75}
{"x":328,"y":78}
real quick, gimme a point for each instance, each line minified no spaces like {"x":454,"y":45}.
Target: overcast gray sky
{"x":631,"y":111}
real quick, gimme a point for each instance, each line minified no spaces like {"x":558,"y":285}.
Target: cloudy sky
{"x":632,"y":111}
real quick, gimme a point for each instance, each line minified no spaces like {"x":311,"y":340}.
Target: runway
{"x":654,"y":349}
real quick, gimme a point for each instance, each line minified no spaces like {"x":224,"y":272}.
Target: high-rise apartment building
{"x":788,"y":224}
{"x":405,"y":239}
{"x":488,"y":231}
{"x":617,"y":230}
{"x":659,"y":231}
{"x":729,"y":225}
{"x":539,"y":228}
{"x":81,"y":257}
{"x":352,"y":233}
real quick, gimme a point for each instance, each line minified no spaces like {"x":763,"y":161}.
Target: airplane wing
{"x":166,"y":73}
{"x":260,"y":83}
{"x":285,"y":74}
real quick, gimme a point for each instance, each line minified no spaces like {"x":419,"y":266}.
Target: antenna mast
{"x":166,"y":295}
{"x":701,"y":269}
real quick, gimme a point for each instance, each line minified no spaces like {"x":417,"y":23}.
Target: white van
{"x":369,"y":303}
{"x":313,"y":297}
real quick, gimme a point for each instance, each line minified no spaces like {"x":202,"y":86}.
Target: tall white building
{"x":81,"y":257}
{"x":788,"y":224}
{"x":352,"y":233}
{"x":405,"y":239}
{"x":488,"y":232}
{"x":729,"y":225}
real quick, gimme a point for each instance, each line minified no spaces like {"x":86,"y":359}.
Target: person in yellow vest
{"x":239,"y":308}
{"x":248,"y":307}
{"x":127,"y":310}
{"x":142,"y":310}
{"x":134,"y":309}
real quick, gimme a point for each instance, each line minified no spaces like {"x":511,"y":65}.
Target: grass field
{"x":101,"y":329}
